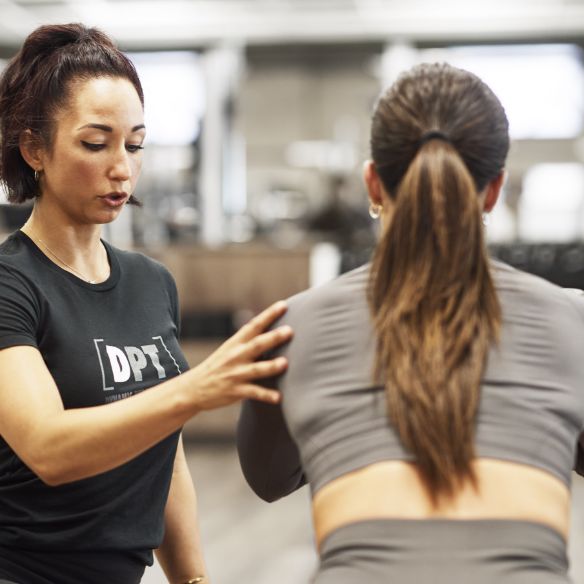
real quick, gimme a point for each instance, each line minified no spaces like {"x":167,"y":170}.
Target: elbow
{"x":265,"y":494}
{"x":49,"y":472}
{"x":49,"y":476}
{"x":261,"y":486}
{"x":53,"y":464}
{"x":52,"y":481}
{"x":273,"y":491}
{"x":272,"y":488}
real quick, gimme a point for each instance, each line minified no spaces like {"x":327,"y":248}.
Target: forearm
{"x":66,"y":445}
{"x":70,"y":444}
{"x":180,"y":554}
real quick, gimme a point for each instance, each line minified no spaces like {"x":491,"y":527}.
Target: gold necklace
{"x":77,"y":272}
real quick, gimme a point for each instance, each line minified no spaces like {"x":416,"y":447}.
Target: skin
{"x":178,"y":552}
{"x":505,"y":490}
{"x":85,"y":163}
{"x":96,"y":152}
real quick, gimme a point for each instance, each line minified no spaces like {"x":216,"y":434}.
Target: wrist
{"x":185,"y":397}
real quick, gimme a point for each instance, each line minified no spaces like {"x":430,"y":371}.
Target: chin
{"x":105,"y":218}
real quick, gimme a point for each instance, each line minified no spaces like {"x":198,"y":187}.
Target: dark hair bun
{"x":36,"y":84}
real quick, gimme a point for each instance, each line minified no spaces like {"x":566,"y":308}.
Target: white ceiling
{"x":195,"y":23}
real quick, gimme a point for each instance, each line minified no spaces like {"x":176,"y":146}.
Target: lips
{"x":115,"y":199}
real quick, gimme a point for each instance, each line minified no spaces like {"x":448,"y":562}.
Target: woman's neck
{"x":76,"y":249}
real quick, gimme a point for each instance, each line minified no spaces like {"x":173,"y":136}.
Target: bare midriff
{"x":394,"y":490}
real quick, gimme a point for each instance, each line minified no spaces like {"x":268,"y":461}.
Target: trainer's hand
{"x":226,"y":376}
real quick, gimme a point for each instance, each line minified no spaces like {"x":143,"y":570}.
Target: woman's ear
{"x":31,"y":150}
{"x":493,"y":191}
{"x":372,"y":182}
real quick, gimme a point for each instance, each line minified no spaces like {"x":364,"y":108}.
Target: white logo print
{"x":119,"y":365}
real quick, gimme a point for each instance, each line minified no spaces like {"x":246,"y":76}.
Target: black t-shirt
{"x":101,"y":343}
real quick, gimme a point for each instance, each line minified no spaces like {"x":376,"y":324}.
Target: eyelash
{"x":132,"y":148}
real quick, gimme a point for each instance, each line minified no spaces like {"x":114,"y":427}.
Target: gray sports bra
{"x":333,"y":419}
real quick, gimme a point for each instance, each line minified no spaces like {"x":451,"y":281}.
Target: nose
{"x":121,"y":169}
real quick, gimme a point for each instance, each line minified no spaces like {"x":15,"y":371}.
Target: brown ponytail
{"x":433,"y":301}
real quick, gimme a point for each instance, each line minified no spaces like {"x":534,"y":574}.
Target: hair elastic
{"x":434,"y":135}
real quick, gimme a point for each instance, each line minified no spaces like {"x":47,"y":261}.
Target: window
{"x":540,"y":86}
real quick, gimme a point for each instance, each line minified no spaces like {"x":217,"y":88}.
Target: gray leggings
{"x":438,"y":551}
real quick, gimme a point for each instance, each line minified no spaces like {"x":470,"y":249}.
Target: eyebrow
{"x":105,"y":128}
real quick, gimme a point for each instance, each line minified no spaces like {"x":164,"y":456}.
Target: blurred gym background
{"x":258,"y":114}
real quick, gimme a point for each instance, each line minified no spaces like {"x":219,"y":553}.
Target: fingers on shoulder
{"x":258,"y":393}
{"x":263,"y":343}
{"x":262,"y":321}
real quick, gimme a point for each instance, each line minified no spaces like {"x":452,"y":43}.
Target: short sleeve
{"x":171,"y":290}
{"x":174,"y":302}
{"x":19,"y":312}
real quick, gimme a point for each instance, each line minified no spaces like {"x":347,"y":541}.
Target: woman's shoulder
{"x":137,"y":260}
{"x":517,"y":288}
{"x":20,"y":288}
{"x":352,"y":281}
{"x":139,"y":271}
{"x":346,"y":292}
{"x":17,"y":256}
{"x":13,"y":245}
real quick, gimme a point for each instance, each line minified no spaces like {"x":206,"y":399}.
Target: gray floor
{"x":249,"y":541}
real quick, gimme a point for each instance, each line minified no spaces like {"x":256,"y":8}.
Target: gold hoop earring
{"x":375,"y":210}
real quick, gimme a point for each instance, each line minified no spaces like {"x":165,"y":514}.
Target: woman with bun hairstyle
{"x":434,"y":398}
{"x":94,"y":388}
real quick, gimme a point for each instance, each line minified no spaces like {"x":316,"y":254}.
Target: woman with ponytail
{"x":94,"y":388}
{"x":433,"y":400}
